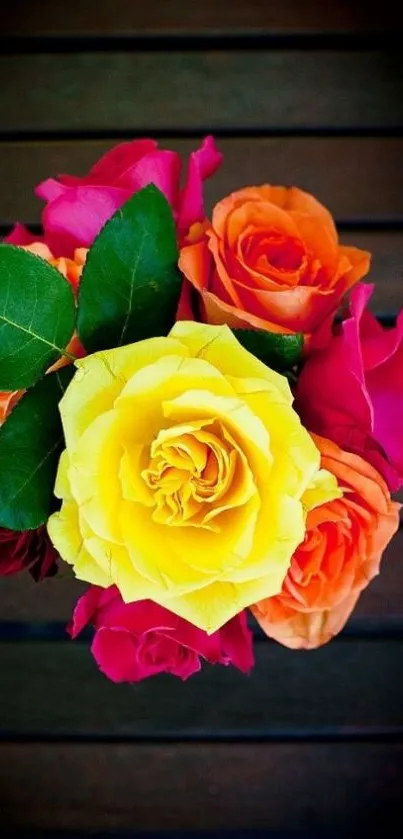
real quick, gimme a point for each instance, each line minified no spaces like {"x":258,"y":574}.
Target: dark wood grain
{"x":359,"y":179}
{"x":21,"y":599}
{"x":386,"y":267}
{"x":123,"y":18}
{"x":201,"y":786}
{"x":55,"y":689}
{"x":53,"y":600}
{"x":143,"y":91}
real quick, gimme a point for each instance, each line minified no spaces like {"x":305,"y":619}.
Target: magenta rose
{"x":77,"y":208}
{"x":136,"y":640}
{"x":352,"y":391}
{"x":31,"y":550}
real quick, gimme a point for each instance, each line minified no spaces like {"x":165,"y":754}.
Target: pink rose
{"x":77,"y":208}
{"x":352,"y":391}
{"x":136,"y":640}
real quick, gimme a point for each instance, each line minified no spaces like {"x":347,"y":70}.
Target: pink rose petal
{"x":78,"y":207}
{"x":135,"y":640}
{"x":202,"y":164}
{"x":352,"y":391}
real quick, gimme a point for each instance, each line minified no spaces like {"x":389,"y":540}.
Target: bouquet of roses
{"x":199,"y":415}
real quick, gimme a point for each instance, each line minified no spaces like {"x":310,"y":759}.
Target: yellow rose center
{"x":195,"y":474}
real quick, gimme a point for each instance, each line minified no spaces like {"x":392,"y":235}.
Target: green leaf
{"x":37,"y":316}
{"x":31,"y":441}
{"x":130,"y":285}
{"x":281,"y":352}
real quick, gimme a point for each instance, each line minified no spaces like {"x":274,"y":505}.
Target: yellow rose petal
{"x":94,"y":475}
{"x":186,"y":474}
{"x":62,"y":485}
{"x":240,"y":421}
{"x":218,"y":346}
{"x":180,"y":557}
{"x":133,"y":462}
{"x":297,"y":458}
{"x":85,"y":568}
{"x":63,"y":528}
{"x":117,"y":566}
{"x":279,"y":530}
{"x":64,"y":531}
{"x":323,"y":487}
{"x":100,"y":378}
{"x":172,"y":376}
{"x":209,"y":608}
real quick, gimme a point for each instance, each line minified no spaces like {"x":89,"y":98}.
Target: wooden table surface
{"x":308,"y":93}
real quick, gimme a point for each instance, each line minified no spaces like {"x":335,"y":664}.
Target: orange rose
{"x":71,"y":270}
{"x":340,"y":554}
{"x":269,"y":260}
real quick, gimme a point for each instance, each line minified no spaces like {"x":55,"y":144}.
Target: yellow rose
{"x":184,"y":474}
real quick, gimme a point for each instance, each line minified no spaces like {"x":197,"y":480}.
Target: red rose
{"x":31,"y":550}
{"x":136,"y":640}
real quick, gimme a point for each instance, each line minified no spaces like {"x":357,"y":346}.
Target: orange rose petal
{"x":298,"y":201}
{"x":271,"y":194}
{"x":318,"y":240}
{"x":228,"y":204}
{"x":215,"y":311}
{"x":357,"y":468}
{"x":39,"y":249}
{"x":265,"y":275}
{"x":70,"y":268}
{"x":7,"y":401}
{"x":80,"y":255}
{"x":75,"y":348}
{"x":341,"y":553}
{"x":220,"y":282}
{"x":278,"y":195}
{"x":218,"y":312}
{"x":360,"y":263}
{"x":302,"y":630}
{"x":298,"y":309}
{"x":195,"y":262}
{"x":291,"y":199}
{"x":260,"y":216}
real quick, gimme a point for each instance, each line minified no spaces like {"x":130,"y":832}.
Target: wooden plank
{"x":21,"y":599}
{"x":144,"y":91}
{"x":201,"y":786}
{"x":383,"y":598}
{"x":54,"y":689}
{"x":386,"y":267}
{"x":53,"y":600}
{"x":359,"y":179}
{"x":159,"y":17}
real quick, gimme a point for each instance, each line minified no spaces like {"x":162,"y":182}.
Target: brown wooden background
{"x":308,"y":93}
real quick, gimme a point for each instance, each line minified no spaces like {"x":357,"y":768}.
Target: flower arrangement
{"x":200,"y":415}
